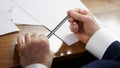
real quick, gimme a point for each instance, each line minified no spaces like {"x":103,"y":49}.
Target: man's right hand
{"x":82,"y":24}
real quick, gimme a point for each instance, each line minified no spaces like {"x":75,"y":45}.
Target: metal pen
{"x":58,"y":26}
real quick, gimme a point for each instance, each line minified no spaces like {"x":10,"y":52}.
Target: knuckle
{"x":44,"y":42}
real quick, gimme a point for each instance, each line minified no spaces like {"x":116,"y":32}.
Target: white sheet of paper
{"x":6,"y":26}
{"x":20,"y":17}
{"x":50,"y":13}
{"x":55,"y":46}
{"x":5,"y":6}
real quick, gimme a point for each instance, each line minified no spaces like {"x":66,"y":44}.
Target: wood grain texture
{"x":9,"y":51}
{"x":108,"y":13}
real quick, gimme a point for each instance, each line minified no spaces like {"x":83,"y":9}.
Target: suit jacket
{"x":111,"y":58}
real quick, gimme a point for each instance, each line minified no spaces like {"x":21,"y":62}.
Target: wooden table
{"x":9,"y":54}
{"x":107,"y":11}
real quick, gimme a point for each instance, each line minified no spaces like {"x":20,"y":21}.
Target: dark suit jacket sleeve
{"x":111,"y":58}
{"x":105,"y":48}
{"x":112,"y":52}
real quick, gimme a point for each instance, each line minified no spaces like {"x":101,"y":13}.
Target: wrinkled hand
{"x":35,"y":49}
{"x":82,"y":24}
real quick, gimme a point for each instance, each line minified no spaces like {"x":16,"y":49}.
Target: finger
{"x":77,"y":9}
{"x":44,"y":39}
{"x":70,"y":19}
{"x":19,"y":41}
{"x":34,"y":35}
{"x":27,"y":37}
{"x":77,"y":16}
{"x":41,"y":36}
{"x":19,"y":44}
{"x":74,"y":27}
{"x":84,"y":12}
{"x":81,"y":11}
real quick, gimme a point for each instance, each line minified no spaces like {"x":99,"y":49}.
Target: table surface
{"x":107,"y":11}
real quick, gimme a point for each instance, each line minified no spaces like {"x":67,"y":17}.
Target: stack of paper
{"x":6,"y":26}
{"x":19,"y":16}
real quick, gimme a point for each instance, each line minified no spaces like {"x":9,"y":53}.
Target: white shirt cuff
{"x":37,"y":65}
{"x":99,"y":43}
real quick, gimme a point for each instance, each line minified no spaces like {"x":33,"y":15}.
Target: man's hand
{"x":82,"y":24}
{"x":35,"y":49}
